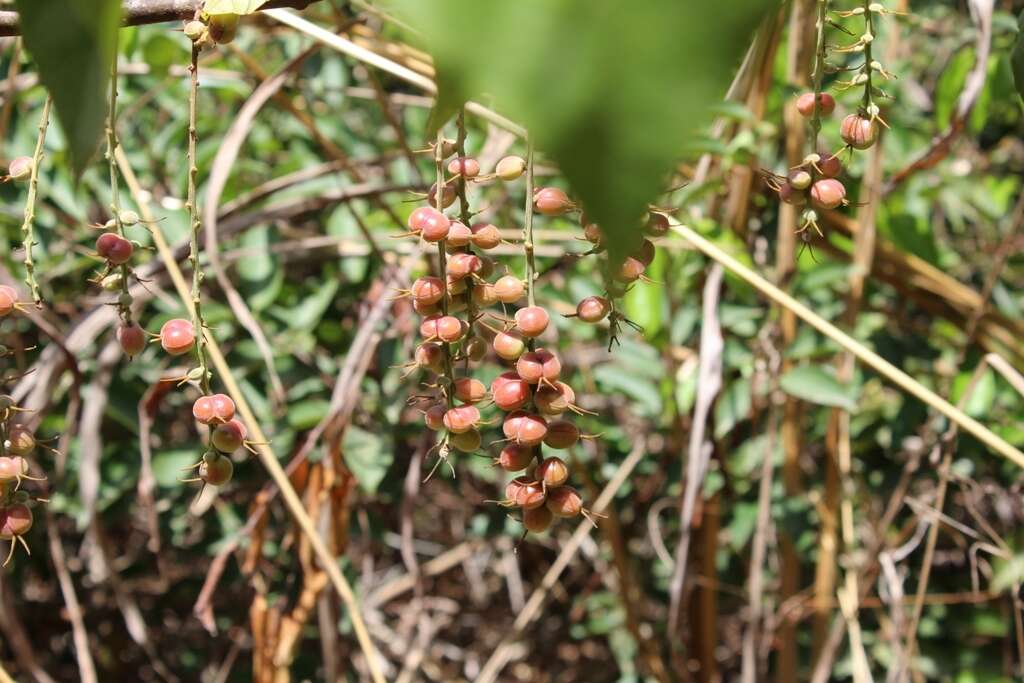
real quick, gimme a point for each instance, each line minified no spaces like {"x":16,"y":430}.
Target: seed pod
{"x":469,"y":390}
{"x":216,"y":472}
{"x":177,"y":336}
{"x":8,"y":300}
{"x":510,"y":168}
{"x":830,"y":165}
{"x":20,"y":168}
{"x":484,"y":295}
{"x":509,"y":391}
{"x":537,"y":519}
{"x":15,"y":520}
{"x":509,"y":345}
{"x":564,"y":501}
{"x":859,"y":132}
{"x":223,"y":28}
{"x":551,"y":201}
{"x":592,"y":233}
{"x":132,"y":339}
{"x":464,"y":166}
{"x":463,"y":265}
{"x":430,"y":356}
{"x":461,"y":419}
{"x":20,"y":440}
{"x":425,"y":216}
{"x":630,"y":271}
{"x":800,"y":179}
{"x":444,"y":327}
{"x":593,"y":309}
{"x":448,"y":196}
{"x":525,"y":429}
{"x":223,"y":407}
{"x":791,"y":195}
{"x":485,"y":235}
{"x":12,"y":468}
{"x":514,"y":457}
{"x":509,"y":289}
{"x":561,"y":434}
{"x":805,"y":104}
{"x":427,"y":290}
{"x":553,"y":472}
{"x":646,"y":253}
{"x":435,"y":227}
{"x":657,"y":224}
{"x":828,"y":193}
{"x":476,"y":348}
{"x":434,"y":417}
{"x":539,"y":365}
{"x":459,"y":235}
{"x":228,"y":437}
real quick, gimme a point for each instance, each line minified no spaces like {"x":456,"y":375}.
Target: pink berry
{"x":592,"y":233}
{"x":537,"y":366}
{"x":509,"y":391}
{"x":12,"y":468}
{"x":828,"y":193}
{"x":553,"y":472}
{"x":554,"y":400}
{"x":514,"y":457}
{"x":464,"y":166}
{"x":446,"y":328}
{"x":509,"y":289}
{"x":15,"y":520}
{"x":564,"y":502}
{"x":532,"y":321}
{"x":8,"y":300}
{"x":20,"y":168}
{"x":509,"y":345}
{"x":475,"y":348}
{"x":420,"y":217}
{"x":427,"y":290}
{"x":463,"y":265}
{"x":800,"y":179}
{"x":177,"y":336}
{"x":430,"y":356}
{"x":459,"y":235}
{"x":551,"y":201}
{"x":485,"y":235}
{"x":593,"y":309}
{"x":645,"y":254}
{"x":525,"y":429}
{"x":132,"y":339}
{"x":859,"y":132}
{"x":202,"y":410}
{"x":228,"y":437}
{"x":484,"y":294}
{"x":830,"y":165}
{"x":434,"y":417}
{"x":461,"y":419}
{"x":631,"y":270}
{"x":469,"y":390}
{"x":223,"y":407}
{"x":805,"y":104}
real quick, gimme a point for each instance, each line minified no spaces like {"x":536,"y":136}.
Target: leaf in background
{"x":613,"y":91}
{"x":1007,"y":573}
{"x":732,"y":406}
{"x":72,"y":45}
{"x":368,"y":456}
{"x":980,"y":402}
{"x":232,"y":6}
{"x":816,"y":384}
{"x":1017,"y":57}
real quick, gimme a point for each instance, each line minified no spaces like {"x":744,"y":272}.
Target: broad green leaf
{"x":732,"y":406}
{"x":232,"y":6}
{"x":979,"y":403}
{"x":368,"y":456}
{"x":72,"y":45}
{"x":1017,"y":57}
{"x":614,"y":92}
{"x":817,"y":384}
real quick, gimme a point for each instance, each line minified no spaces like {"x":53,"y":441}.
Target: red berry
{"x":593,"y":309}
{"x":805,"y":104}
{"x":202,"y":410}
{"x":551,"y":201}
{"x":467,"y":442}
{"x":421,"y":216}
{"x":858,"y":132}
{"x":223,"y":407}
{"x":132,"y":339}
{"x":525,"y":429}
{"x":564,"y":501}
{"x":828,"y":193}
{"x":529,"y":493}
{"x":657,"y":224}
{"x":114,"y":248}
{"x":539,"y":365}
{"x":448,"y":196}
{"x":464,"y":166}
{"x":510,"y":168}
{"x":228,"y":437}
{"x":791,"y":195}
{"x":486,"y":236}
{"x":434,"y":417}
{"x":15,"y":520}
{"x":435,"y":227}
{"x":509,"y":391}
{"x":216,"y":472}
{"x":514,"y":489}
{"x":553,"y":472}
{"x":532,"y":321}
{"x":462,"y":265}
{"x":645,"y":254}
{"x":830,"y":165}
{"x":461,"y":419}
{"x":514,"y":457}
{"x":509,"y":289}
{"x":630,"y":270}
{"x":444,"y":327}
{"x":177,"y":336}
{"x":537,"y":519}
{"x":561,"y":434}
{"x":459,"y":235}
{"x":430,"y":356}
{"x":509,"y":345}
{"x":427,"y":290}
{"x":8,"y":300}
{"x":469,"y":390}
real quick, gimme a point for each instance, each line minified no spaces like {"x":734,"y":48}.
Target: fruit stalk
{"x":819,"y":73}
{"x":465,"y":216}
{"x":27,"y":227}
{"x":528,"y":230}
{"x":193,"y":213}
{"x":442,"y":267}
{"x":124,"y":308}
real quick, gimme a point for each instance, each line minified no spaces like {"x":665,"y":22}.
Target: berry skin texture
{"x":830,"y":165}
{"x":469,"y":390}
{"x":8,"y":300}
{"x":525,"y":429}
{"x":216,"y":472}
{"x":510,"y":168}
{"x":448,"y":195}
{"x":859,"y":132}
{"x":20,"y":168}
{"x":132,"y":339}
{"x":12,"y":469}
{"x":485,"y":235}
{"x":465,"y":167}
{"x":805,"y":104}
{"x":228,"y":437}
{"x":828,"y":193}
{"x":114,"y":248}
{"x":554,"y":400}
{"x":461,"y":419}
{"x":177,"y":336}
{"x":537,"y":519}
{"x":539,"y":366}
{"x":561,"y":434}
{"x":427,"y":290}
{"x":514,"y":458}
{"x":20,"y":440}
{"x":509,"y":391}
{"x":463,"y":265}
{"x":444,"y":327}
{"x":508,"y":345}
{"x":564,"y":502}
{"x":593,"y":309}
{"x":532,"y":321}
{"x":202,"y":410}
{"x":791,"y":195}
{"x":467,"y":442}
{"x":223,"y":407}
{"x":423,"y":215}
{"x":430,"y":356}
{"x":657,"y":225}
{"x":553,"y":472}
{"x":15,"y":520}
{"x":459,"y":235}
{"x":509,"y":289}
{"x":551,"y":201}
{"x":434,"y":417}
{"x":631,"y":270}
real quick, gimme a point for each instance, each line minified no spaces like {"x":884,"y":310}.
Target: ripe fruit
{"x":435,"y":229}
{"x":8,"y":300}
{"x":593,"y":309}
{"x":562,"y":434}
{"x":427,"y":290}
{"x":828,"y":193}
{"x":216,"y":471}
{"x":525,"y":429}
{"x":20,"y":440}
{"x":529,"y":494}
{"x":430,"y":356}
{"x":434,"y":417}
{"x":462,"y":265}
{"x":539,"y":365}
{"x":830,"y":165}
{"x":465,"y":167}
{"x":467,"y":442}
{"x":657,"y":225}
{"x":630,"y":270}
{"x":564,"y":502}
{"x":805,"y":104}
{"x":20,"y":168}
{"x":553,"y":472}
{"x":532,"y":321}
{"x":459,"y":235}
{"x":448,"y":195}
{"x":177,"y":336}
{"x":14,"y":468}
{"x":509,"y":391}
{"x":15,"y":520}
{"x":514,"y":457}
{"x":484,"y":295}
{"x":485,"y":235}
{"x":426,"y":310}
{"x":510,"y":168}
{"x":423,"y":216}
{"x":114,"y":248}
{"x":469,"y":390}
{"x":514,"y":489}
{"x":645,"y":254}
{"x":592,"y":233}
{"x":223,"y":407}
{"x":509,"y":289}
{"x":461,"y":419}
{"x":551,"y":201}
{"x":132,"y":339}
{"x":537,"y":519}
{"x":202,"y":410}
{"x":228,"y":437}
{"x":444,"y":327}
{"x":859,"y":132}
{"x":509,"y":345}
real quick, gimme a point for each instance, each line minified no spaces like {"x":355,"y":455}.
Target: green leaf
{"x":732,"y":406}
{"x":1017,"y":57}
{"x":819,"y":385}
{"x":72,"y":44}
{"x":980,"y":402}
{"x":1007,"y":573}
{"x":232,"y":6}
{"x":367,"y":456}
{"x":614,"y":92}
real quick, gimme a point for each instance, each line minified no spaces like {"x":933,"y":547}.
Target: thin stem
{"x":124,"y":307}
{"x":193,"y":213}
{"x":869,"y":36}
{"x":442,"y":266}
{"x":27,"y":228}
{"x":466,"y":216}
{"x":819,"y":72}
{"x":528,"y":229}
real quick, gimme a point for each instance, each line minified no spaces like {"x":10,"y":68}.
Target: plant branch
{"x":27,"y":229}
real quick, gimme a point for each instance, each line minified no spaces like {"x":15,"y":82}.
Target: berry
{"x":448,"y":195}
{"x":467,"y":442}
{"x":551,"y":201}
{"x":592,"y":233}
{"x":532,"y":321}
{"x":630,"y":270}
{"x":427,"y":290}
{"x":15,"y":520}
{"x":537,"y":519}
{"x":510,"y":168}
{"x":20,"y":168}
{"x":216,"y":471}
{"x":593,"y":309}
{"x":564,"y":501}
{"x":509,"y":391}
{"x":791,"y":195}
{"x":462,"y":265}
{"x":434,"y":417}
{"x":430,"y":356}
{"x":525,"y":429}
{"x":435,"y":228}
{"x":459,"y":235}
{"x":132,"y":339}
{"x":484,"y":295}
{"x":539,"y":365}
{"x":423,"y":216}
{"x":461,"y":419}
{"x":20,"y":440}
{"x":8,"y":300}
{"x":448,"y":147}
{"x":509,"y":289}
{"x":469,"y":390}
{"x":800,"y":179}
{"x":465,"y":167}
{"x":426,"y":310}
{"x":530,"y":494}
{"x":12,"y":468}
{"x":128,"y":218}
{"x":553,"y":472}
{"x":830,"y":165}
{"x":202,"y":410}
{"x":114,"y":248}
{"x":645,"y":254}
{"x":223,"y":28}
{"x":177,"y":336}
{"x":514,"y":458}
{"x":561,"y":434}
{"x":554,"y":400}
{"x":485,"y":235}
{"x":223,"y":407}
{"x":828,"y":193}
{"x":858,"y":132}
{"x":805,"y":104}
{"x":509,"y":345}
{"x":657,"y":225}
{"x":475,"y":348}
{"x":514,"y":489}
{"x":444,"y":327}
{"x":228,"y":437}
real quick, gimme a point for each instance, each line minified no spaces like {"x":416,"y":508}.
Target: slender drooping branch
{"x":193,"y":214}
{"x":124,"y":303}
{"x":27,"y":228}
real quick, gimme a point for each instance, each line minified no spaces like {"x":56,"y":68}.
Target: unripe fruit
{"x":532,"y":321}
{"x":514,"y":457}
{"x":467,"y":442}
{"x":430,"y":356}
{"x":8,"y":300}
{"x":459,"y":235}
{"x":535,"y":366}
{"x":791,"y":195}
{"x":562,"y":434}
{"x":485,"y":235}
{"x":177,"y":336}
{"x":509,"y":391}
{"x":427,"y":290}
{"x":510,"y":168}
{"x":475,"y":348}
{"x":223,"y":28}
{"x":20,"y":168}
{"x":462,"y":265}
{"x":592,"y":233}
{"x":461,"y":419}
{"x":465,"y":167}
{"x":630,"y":270}
{"x":15,"y":520}
{"x":509,"y":289}
{"x":525,"y":429}
{"x":830,"y":165}
{"x":593,"y":309}
{"x":805,"y":104}
{"x":508,"y":345}
{"x":216,"y":472}
{"x":434,"y":417}
{"x":228,"y":437}
{"x":195,"y":30}
{"x":657,"y":225}
{"x":469,"y":390}
{"x":484,"y":295}
{"x":128,"y":218}
{"x":14,"y":468}
{"x":800,"y":179}
{"x":858,"y":132}
{"x":553,"y":472}
{"x":20,"y":440}
{"x":828,"y":193}
{"x":564,"y":502}
{"x":132,"y":339}
{"x":537,"y":519}
{"x":551,"y":201}
{"x":645,"y":254}
{"x":448,"y":195}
